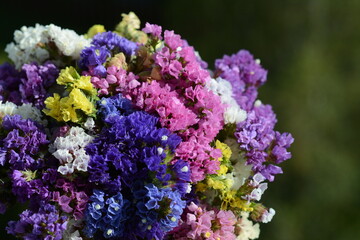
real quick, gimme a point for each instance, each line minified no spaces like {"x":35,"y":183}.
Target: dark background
{"x":312,"y":51}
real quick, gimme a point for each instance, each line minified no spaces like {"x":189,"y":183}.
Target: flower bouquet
{"x":126,"y":134}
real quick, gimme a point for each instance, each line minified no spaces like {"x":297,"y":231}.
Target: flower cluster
{"x":126,"y":134}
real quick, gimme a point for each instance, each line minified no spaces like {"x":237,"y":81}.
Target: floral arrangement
{"x":126,"y":134}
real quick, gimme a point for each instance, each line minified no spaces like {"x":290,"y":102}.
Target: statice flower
{"x":127,"y":149}
{"x":199,"y":223}
{"x":72,"y":232}
{"x":233,"y":113}
{"x":44,"y":223}
{"x":93,"y":59}
{"x":262,"y":214}
{"x":159,"y":210}
{"x":104,"y":45}
{"x":22,"y":143}
{"x":245,"y":75}
{"x":114,"y":106}
{"x":34,"y":86}
{"x":70,"y":151}
{"x":71,"y":196}
{"x":263,"y":146}
{"x":246,"y":229}
{"x":10,"y":79}
{"x":259,"y":187}
{"x":144,"y":142}
{"x":116,"y":80}
{"x":35,"y":44}
{"x":153,"y":29}
{"x":115,"y":43}
{"x":26,"y":187}
{"x":105,"y":215}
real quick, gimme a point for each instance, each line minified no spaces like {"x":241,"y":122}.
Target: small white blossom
{"x":71,"y":233}
{"x":89,"y":124}
{"x":259,"y":187}
{"x":70,"y":151}
{"x":267,"y":216}
{"x":8,"y":108}
{"x":30,"y":44}
{"x":241,"y":171}
{"x":26,"y":111}
{"x":258,"y":103}
{"x":246,"y":229}
{"x":233,"y":113}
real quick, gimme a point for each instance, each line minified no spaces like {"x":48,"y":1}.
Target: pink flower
{"x":200,"y":223}
{"x":173,"y":40}
{"x":153,"y":29}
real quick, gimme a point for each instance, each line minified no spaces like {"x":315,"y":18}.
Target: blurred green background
{"x":312,"y":51}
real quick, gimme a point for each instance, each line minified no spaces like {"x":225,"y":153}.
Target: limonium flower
{"x":127,"y":134}
{"x":80,"y":97}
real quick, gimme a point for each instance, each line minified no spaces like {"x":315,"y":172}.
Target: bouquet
{"x":127,"y":134}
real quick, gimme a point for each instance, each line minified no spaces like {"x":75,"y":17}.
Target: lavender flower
{"x":29,"y":85}
{"x":114,"y":43}
{"x":263,"y":146}
{"x":245,"y":75}
{"x":45,"y":223}
{"x":23,"y":142}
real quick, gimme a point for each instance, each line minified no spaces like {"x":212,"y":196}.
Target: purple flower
{"x":10,"y":80}
{"x":29,"y":85}
{"x":43,"y":223}
{"x":22,"y":144}
{"x":105,"y":215}
{"x":263,"y":146}
{"x":115,"y":43}
{"x":93,"y":58}
{"x":34,"y":86}
{"x":153,"y":29}
{"x":245,"y":75}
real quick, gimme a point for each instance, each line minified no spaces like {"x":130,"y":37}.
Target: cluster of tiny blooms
{"x":126,"y":134}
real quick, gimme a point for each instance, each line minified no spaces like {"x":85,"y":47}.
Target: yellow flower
{"x":95,"y":30}
{"x":67,"y":75}
{"x":215,"y":184}
{"x":201,"y":187}
{"x":68,"y":113}
{"x":223,"y":170}
{"x":85,"y":84}
{"x":225,"y":149}
{"x":230,"y":200}
{"x":52,"y":107}
{"x":128,"y":28}
{"x":79,"y":101}
{"x":71,"y":78}
{"x":64,"y":109}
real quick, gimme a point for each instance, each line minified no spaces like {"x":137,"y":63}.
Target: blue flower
{"x":105,"y":215}
{"x":115,"y":43}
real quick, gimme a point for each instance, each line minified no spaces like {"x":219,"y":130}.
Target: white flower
{"x":8,"y":108}
{"x":233,"y":113}
{"x":245,"y":229}
{"x":70,"y":151}
{"x":257,"y":192}
{"x":30,"y":44}
{"x":241,"y":171}
{"x":267,"y":215}
{"x":71,"y":233}
{"x":89,"y":124}
{"x":26,"y":111}
{"x":68,"y":41}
